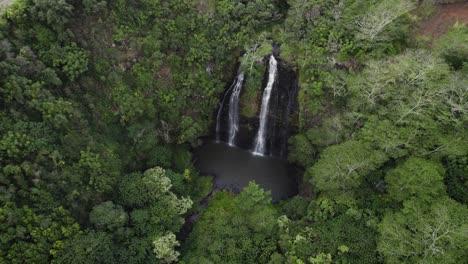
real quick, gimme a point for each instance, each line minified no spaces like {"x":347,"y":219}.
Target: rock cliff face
{"x":282,"y":113}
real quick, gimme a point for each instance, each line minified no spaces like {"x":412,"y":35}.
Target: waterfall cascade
{"x":260,"y":139}
{"x":277,"y":108}
{"x":233,"y":110}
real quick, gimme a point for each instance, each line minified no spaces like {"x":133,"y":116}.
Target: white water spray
{"x":260,"y":139}
{"x":234,"y":110}
{"x":237,"y":86}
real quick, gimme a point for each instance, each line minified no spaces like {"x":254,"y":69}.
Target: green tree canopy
{"x":418,"y":234}
{"x":416,"y":178}
{"x":341,"y":167}
{"x":239,"y":229}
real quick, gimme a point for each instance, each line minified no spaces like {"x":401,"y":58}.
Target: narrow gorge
{"x":253,"y":149}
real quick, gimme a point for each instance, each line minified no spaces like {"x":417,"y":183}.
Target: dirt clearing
{"x":443,"y":18}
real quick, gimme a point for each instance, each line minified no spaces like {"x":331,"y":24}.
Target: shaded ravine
{"x":190,"y":220}
{"x":262,"y":141}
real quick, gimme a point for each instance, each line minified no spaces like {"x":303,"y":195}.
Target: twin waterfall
{"x":259,"y":147}
{"x":233,"y":111}
{"x":260,"y":139}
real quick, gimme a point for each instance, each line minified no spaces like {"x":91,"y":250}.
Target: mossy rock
{"x":252,"y":91}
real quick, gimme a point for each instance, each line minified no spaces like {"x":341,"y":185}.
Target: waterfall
{"x":234,"y":110}
{"x":259,"y":147}
{"x":237,"y":85}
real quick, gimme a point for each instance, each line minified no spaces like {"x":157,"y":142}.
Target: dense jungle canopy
{"x":103,"y":102}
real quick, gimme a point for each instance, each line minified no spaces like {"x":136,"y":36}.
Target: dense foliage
{"x":102,"y":101}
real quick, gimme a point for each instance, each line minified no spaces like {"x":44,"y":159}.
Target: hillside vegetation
{"x":102,"y":103}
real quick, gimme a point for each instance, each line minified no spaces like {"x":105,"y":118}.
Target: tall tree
{"x":341,"y":167}
{"x":240,"y":229}
{"x":418,"y":234}
{"x":416,"y":178}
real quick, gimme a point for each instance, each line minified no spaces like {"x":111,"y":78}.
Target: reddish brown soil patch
{"x":204,"y":6}
{"x":444,"y":17}
{"x":164,"y":72}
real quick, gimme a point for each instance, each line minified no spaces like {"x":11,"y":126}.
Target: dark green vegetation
{"x":101,"y":101}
